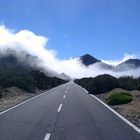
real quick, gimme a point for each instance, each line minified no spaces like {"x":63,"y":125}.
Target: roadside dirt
{"x":131,"y":111}
{"x":14,"y":96}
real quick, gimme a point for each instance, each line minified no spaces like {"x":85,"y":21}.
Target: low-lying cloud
{"x":35,"y":45}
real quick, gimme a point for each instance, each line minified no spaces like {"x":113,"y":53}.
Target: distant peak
{"x":88,"y":59}
{"x":87,"y":55}
{"x":130,"y":60}
{"x":130,"y":63}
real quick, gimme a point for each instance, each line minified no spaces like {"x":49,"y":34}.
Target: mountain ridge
{"x":88,"y":60}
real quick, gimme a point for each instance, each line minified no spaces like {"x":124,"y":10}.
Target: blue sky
{"x":106,"y":29}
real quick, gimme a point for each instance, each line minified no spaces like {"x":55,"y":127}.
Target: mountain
{"x":25,"y":73}
{"x":12,"y":63}
{"x":22,"y":62}
{"x":88,"y":60}
{"x":127,"y":65}
{"x":134,"y":62}
{"x":64,"y":77}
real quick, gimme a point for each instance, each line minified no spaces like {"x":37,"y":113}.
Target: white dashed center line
{"x":47,"y":137}
{"x":65,"y":91}
{"x":59,"y":108}
{"x":64,"y":96}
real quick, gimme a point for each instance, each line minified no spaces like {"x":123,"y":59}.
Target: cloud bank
{"x":35,"y":45}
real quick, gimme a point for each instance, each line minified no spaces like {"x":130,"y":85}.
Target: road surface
{"x":66,"y":112}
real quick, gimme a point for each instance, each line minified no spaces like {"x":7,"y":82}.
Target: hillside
{"x":12,"y":63}
{"x":105,"y":83}
{"x":24,"y":73}
{"x":29,"y":81}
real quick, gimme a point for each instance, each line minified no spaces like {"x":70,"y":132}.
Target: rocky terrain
{"x":14,"y":96}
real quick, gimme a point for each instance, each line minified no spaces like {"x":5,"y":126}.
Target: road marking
{"x":120,"y":116}
{"x":68,"y":87}
{"x":64,"y":96}
{"x":47,"y":137}
{"x":85,"y":90}
{"x":22,"y":103}
{"x":59,"y":108}
{"x":66,"y":91}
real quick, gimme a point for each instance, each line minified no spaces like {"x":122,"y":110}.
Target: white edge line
{"x":85,"y":90}
{"x":59,"y":108}
{"x":21,"y":103}
{"x":120,"y":116}
{"x":47,"y":137}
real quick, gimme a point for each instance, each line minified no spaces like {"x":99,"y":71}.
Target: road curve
{"x":66,"y":112}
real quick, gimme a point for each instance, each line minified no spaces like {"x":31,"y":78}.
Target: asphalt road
{"x":66,"y":112}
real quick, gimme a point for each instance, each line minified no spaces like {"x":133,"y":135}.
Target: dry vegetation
{"x":13,"y":96}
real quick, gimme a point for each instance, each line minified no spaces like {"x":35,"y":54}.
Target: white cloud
{"x":26,"y":40}
{"x":36,"y":45}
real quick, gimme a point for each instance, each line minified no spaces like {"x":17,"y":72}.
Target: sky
{"x":106,"y":29}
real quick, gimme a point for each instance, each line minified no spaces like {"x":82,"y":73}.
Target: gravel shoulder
{"x":13,"y":96}
{"x":131,"y":111}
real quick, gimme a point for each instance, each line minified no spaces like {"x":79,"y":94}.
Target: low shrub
{"x":29,"y":81}
{"x":119,"y":98}
{"x":99,"y":84}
